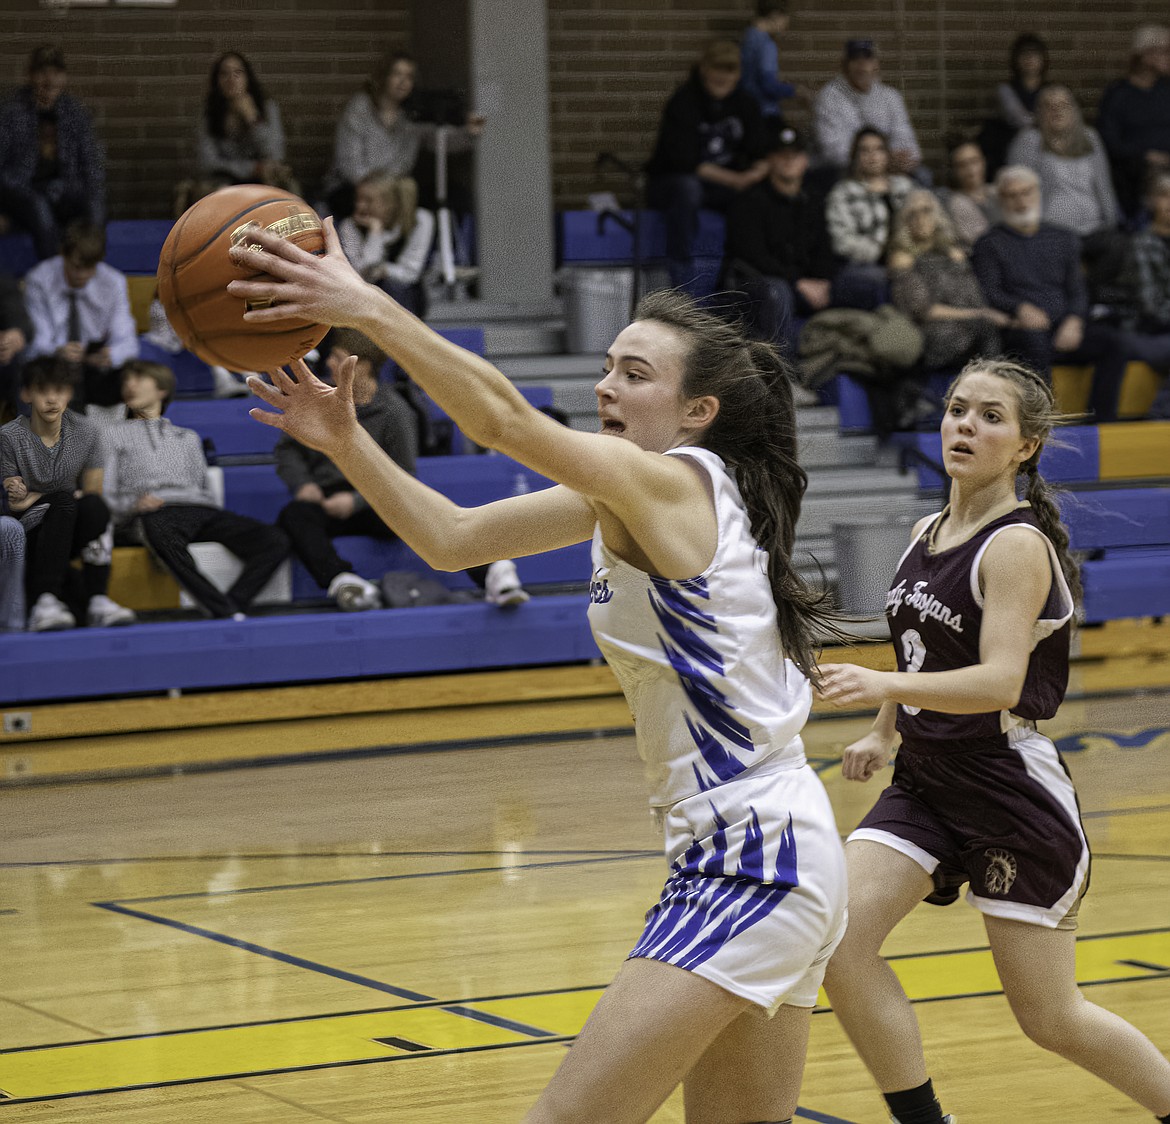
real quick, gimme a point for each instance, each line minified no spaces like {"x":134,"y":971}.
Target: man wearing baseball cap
{"x":52,"y":169}
{"x":856,"y":98}
{"x":1134,"y":117}
{"x":777,"y":249}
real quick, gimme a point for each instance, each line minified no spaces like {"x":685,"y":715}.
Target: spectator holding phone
{"x":80,"y":312}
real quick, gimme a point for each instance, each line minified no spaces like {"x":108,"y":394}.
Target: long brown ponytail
{"x":755,"y":434}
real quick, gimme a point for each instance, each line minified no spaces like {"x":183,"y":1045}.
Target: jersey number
{"x":914,"y":654}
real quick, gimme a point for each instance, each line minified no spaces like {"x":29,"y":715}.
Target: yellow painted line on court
{"x":341,"y":1039}
{"x":234,"y":1050}
{"x":563,"y":1012}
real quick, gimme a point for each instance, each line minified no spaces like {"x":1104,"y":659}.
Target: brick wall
{"x":614,"y":62}
{"x":143,"y":71}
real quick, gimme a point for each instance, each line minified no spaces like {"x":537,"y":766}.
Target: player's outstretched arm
{"x":642,"y":489}
{"x":445,"y":535}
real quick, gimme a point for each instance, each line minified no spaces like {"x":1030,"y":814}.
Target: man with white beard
{"x":1032,"y":271}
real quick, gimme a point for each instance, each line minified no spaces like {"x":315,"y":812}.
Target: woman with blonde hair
{"x":388,"y":237}
{"x":933,"y":284}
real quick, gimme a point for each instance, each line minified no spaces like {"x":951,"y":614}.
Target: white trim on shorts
{"x":895,"y":842}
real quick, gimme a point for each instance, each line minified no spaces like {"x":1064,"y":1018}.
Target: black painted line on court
{"x":421,"y":1006}
{"x":641,"y":856}
{"x":498,"y":1021}
{"x":1122,"y":856}
{"x":807,"y":1113}
{"x":1136,"y":810}
{"x":1145,"y":965}
{"x":282,"y":855}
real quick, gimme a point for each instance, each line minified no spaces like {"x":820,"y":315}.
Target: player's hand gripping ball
{"x":194,"y":269}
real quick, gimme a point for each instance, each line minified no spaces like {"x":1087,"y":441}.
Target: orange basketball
{"x":194,"y":270}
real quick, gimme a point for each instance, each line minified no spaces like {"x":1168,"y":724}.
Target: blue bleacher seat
{"x":133,"y":245}
{"x":204,"y":655}
{"x":17,"y":255}
{"x":1072,"y":458}
{"x":226,"y":422}
{"x":1105,"y":518}
{"x":192,"y":376}
{"x":256,"y":490}
{"x":585,"y":237}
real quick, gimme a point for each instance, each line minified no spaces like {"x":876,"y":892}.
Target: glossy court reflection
{"x":417,"y":937}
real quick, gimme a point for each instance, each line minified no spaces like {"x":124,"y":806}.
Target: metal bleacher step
{"x":520,"y":328}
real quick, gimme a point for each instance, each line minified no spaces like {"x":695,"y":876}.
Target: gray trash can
{"x":597,"y":307}
{"x":867,"y":552}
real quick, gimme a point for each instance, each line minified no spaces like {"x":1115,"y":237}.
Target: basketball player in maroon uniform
{"x":980,"y":613}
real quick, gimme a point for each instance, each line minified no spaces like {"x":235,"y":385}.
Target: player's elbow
{"x":1008,"y":690}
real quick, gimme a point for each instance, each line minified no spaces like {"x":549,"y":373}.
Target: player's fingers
{"x":282,"y":380}
{"x":272,"y":243}
{"x":265,"y":260}
{"x":332,"y":241}
{"x":262,"y":390}
{"x":303,"y":372}
{"x":267,"y":417}
{"x":277,"y":313}
{"x":345,"y":375}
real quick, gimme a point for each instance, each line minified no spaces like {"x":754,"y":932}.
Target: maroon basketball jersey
{"x":935,"y":611}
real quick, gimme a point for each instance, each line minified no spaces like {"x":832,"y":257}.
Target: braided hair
{"x":1037,"y":416}
{"x":754,"y":433}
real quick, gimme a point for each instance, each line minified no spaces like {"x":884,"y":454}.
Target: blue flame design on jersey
{"x":695,"y":661}
{"x":704,"y":905}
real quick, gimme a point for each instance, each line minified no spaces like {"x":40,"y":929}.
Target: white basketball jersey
{"x":700,"y":660}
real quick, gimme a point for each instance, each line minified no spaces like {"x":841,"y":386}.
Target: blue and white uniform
{"x":756,"y":897}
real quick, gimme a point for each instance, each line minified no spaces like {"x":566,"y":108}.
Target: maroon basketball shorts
{"x":1000,"y":814}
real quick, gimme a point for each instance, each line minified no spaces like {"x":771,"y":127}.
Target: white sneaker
{"x":50,"y":614}
{"x":502,"y":586}
{"x":354,"y":594}
{"x":104,"y":613}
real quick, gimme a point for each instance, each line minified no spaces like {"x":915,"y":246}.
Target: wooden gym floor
{"x":416,"y":936}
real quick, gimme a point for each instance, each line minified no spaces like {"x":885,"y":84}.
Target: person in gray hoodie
{"x":157,"y":488}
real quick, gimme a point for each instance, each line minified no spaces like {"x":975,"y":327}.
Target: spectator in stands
{"x":860,"y":211}
{"x":857,"y":99}
{"x":15,"y":332}
{"x":51,"y":466}
{"x":933,"y":284}
{"x":1015,"y":99}
{"x":1134,"y":115}
{"x":1031,"y":270}
{"x":240,"y":138}
{"x":324,"y":505}
{"x":52,"y":169}
{"x":760,"y":61}
{"x":12,"y":563}
{"x":1029,"y":67}
{"x":378,"y":133}
{"x":80,"y":312}
{"x":1070,"y":160}
{"x":1145,"y":316}
{"x":709,"y":150}
{"x":970,"y":202}
{"x":389,"y":237}
{"x":158,"y":489}
{"x":777,"y":250}
{"x":1075,"y":185}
